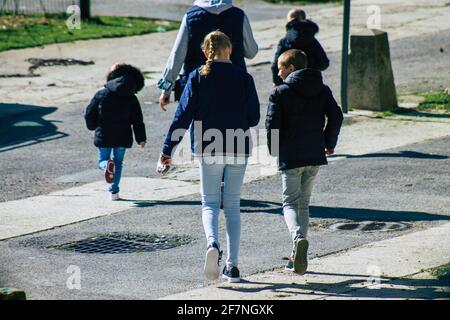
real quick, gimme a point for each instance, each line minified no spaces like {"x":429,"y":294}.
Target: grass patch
{"x":23,"y":31}
{"x":439,"y":101}
{"x":442,"y":273}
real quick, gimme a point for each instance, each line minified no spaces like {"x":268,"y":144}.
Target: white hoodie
{"x":179,"y":50}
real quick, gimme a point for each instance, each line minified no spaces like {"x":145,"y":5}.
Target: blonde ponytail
{"x":213,"y":43}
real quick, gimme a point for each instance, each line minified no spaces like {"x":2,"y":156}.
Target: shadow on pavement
{"x":269,"y":207}
{"x":401,"y":154}
{"x":383,"y":287}
{"x":24,"y":125}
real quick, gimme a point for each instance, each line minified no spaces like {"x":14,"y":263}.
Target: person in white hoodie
{"x":202,"y":18}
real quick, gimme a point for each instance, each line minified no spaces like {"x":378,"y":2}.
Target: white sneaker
{"x":114,"y":196}
{"x":212,"y":260}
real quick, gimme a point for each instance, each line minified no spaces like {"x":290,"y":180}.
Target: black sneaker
{"x":212,"y":262}
{"x":231,"y":274}
{"x":301,"y":256}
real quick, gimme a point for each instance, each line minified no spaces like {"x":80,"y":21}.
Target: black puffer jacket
{"x":114,"y":113}
{"x":298,"y":109}
{"x":301,"y":35}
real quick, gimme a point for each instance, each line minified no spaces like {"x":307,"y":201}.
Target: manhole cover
{"x":370,"y":226}
{"x":117,"y":243}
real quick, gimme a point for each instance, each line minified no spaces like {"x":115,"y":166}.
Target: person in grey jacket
{"x":203,"y":17}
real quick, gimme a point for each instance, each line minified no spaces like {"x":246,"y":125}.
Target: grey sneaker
{"x":212,"y":262}
{"x":301,"y":256}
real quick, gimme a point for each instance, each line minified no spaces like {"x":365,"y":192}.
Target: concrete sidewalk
{"x":391,"y":269}
{"x":364,"y":134}
{"x":150,"y":52}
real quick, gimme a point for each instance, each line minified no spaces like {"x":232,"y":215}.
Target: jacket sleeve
{"x":183,"y":116}
{"x":137,"y":121}
{"x":334,"y":121}
{"x":275,"y":78}
{"x":250,"y":45}
{"x":253,"y":106}
{"x":273,"y":122}
{"x":322,"y":61}
{"x":91,"y":113}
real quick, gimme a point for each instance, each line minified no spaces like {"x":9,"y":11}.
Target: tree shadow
{"x":24,"y":125}
{"x":401,"y":154}
{"x":354,"y":286}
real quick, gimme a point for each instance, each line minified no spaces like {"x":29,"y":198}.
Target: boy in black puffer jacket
{"x":115,"y":113}
{"x":297,"y":135}
{"x":300,"y":35}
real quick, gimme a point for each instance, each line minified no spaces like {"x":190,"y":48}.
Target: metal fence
{"x":35,"y":6}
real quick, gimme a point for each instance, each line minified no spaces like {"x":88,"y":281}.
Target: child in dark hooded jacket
{"x":115,"y":113}
{"x":301,"y":35}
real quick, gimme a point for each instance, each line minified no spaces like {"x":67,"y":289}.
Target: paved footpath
{"x":390,"y":269}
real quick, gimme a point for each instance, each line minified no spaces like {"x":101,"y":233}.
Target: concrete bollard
{"x":371,"y":81}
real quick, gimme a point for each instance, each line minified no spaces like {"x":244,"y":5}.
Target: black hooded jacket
{"x":114,"y":113}
{"x":298,"y":109}
{"x":301,"y":35}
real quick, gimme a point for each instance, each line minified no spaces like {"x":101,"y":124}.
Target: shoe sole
{"x":232,"y":280}
{"x":109,"y":172}
{"x":301,"y":256}
{"x":211,"y":268}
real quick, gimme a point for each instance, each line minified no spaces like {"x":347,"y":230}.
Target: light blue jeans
{"x":211,"y":173}
{"x":104,"y":154}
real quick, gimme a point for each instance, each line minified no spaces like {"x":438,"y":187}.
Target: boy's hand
{"x":329,"y":151}
{"x":164,"y":101}
{"x":142,"y":144}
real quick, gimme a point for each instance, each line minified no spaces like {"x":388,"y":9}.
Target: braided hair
{"x":214,"y":42}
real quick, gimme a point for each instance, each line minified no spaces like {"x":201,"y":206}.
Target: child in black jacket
{"x":114,"y":113}
{"x":300,"y":35}
{"x":303,"y":123}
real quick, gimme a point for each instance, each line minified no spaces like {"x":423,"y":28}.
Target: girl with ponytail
{"x":219,"y":98}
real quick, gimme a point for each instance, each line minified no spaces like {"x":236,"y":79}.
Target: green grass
{"x":19,"y":31}
{"x":439,"y":101}
{"x":442,"y":273}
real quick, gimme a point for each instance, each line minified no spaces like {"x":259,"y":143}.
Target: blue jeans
{"x":211,"y":173}
{"x":104,"y":154}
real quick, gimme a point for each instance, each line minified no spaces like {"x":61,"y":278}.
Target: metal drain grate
{"x":118,"y":243}
{"x":370,"y":226}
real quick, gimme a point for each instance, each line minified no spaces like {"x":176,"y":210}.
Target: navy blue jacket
{"x":301,"y":35}
{"x":200,"y":22}
{"x":113,"y":113}
{"x":298,"y":109}
{"x":224,"y":99}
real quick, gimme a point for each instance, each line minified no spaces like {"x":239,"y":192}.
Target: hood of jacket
{"x":301,"y":32}
{"x":122,"y":86}
{"x":214,"y":6}
{"x":306,"y":82}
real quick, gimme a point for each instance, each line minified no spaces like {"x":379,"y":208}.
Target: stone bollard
{"x":371,"y":81}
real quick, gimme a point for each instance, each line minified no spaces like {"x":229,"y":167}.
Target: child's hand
{"x":142,"y":144}
{"x":163,"y":164}
{"x":164,"y":101}
{"x":329,"y":151}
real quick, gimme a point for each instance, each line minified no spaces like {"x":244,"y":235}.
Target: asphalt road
{"x":408,"y":184}
{"x":49,"y":148}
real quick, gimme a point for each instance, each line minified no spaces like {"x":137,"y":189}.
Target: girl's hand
{"x":142,"y":144}
{"x":329,"y":151}
{"x":163,"y":164}
{"x":164,"y":101}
